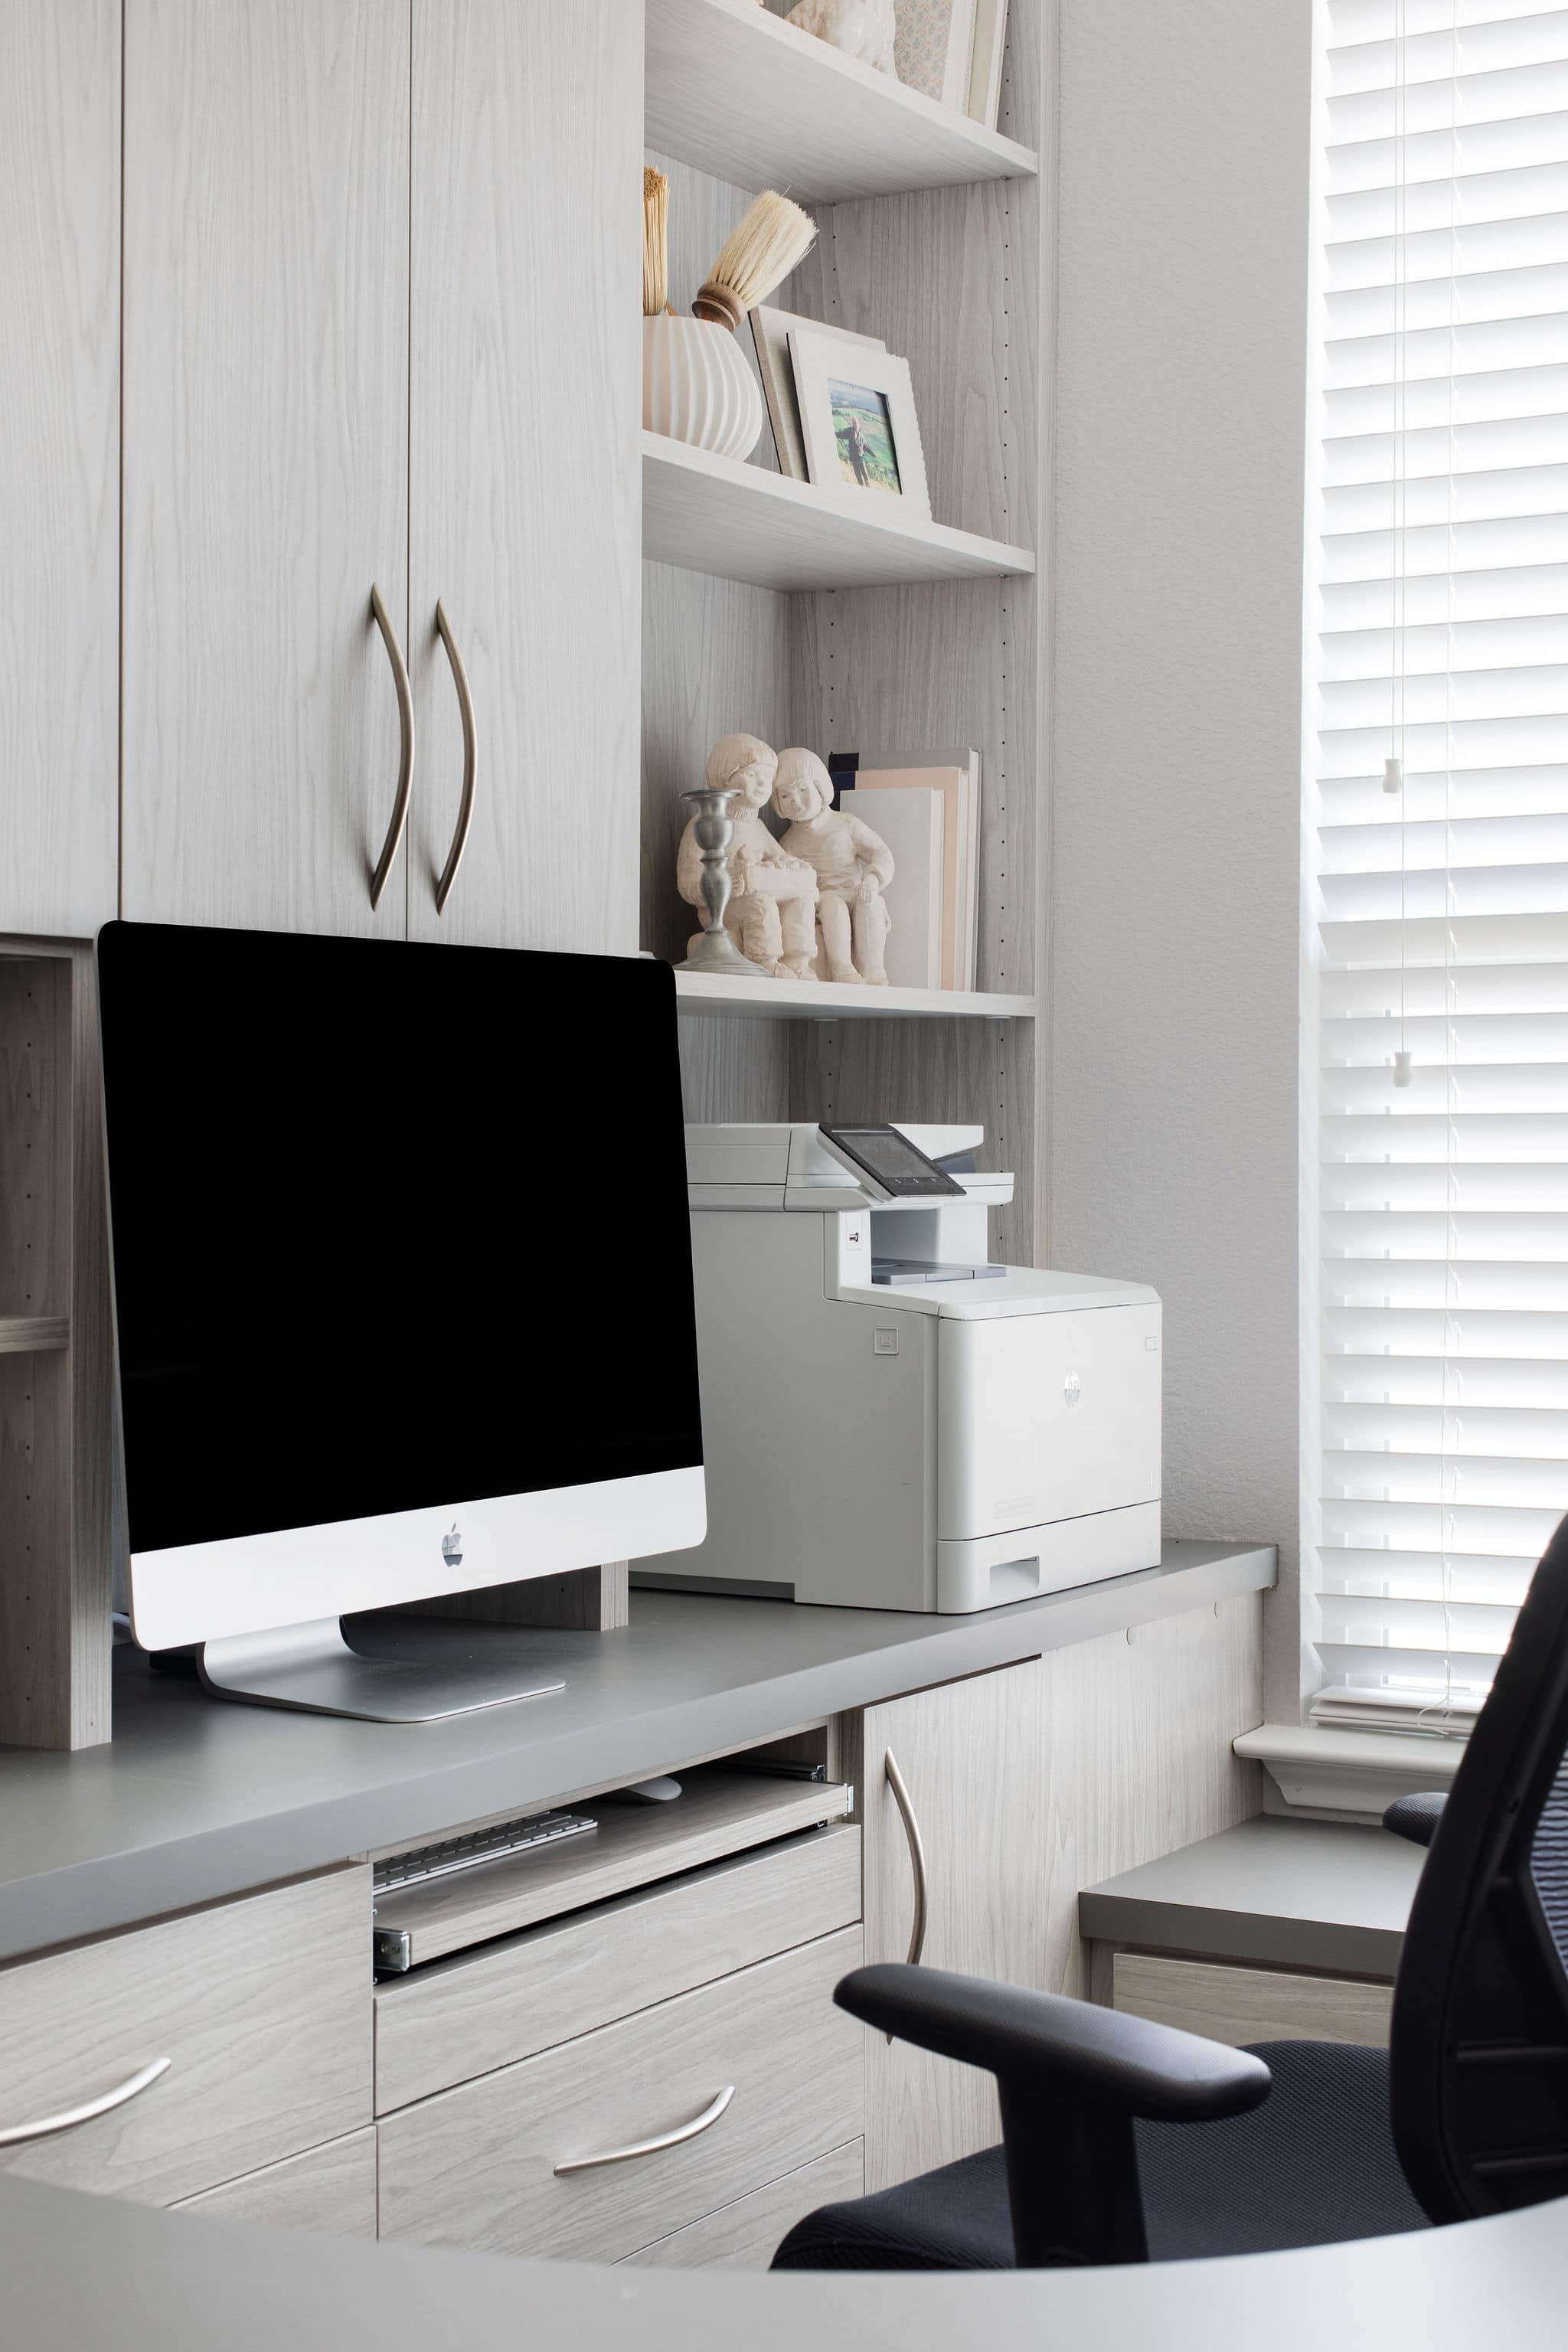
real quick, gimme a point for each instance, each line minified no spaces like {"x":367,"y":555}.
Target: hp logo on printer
{"x":1072,"y":1388}
{"x":452,"y":1547}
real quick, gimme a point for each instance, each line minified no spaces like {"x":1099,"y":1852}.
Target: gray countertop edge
{"x":150,"y":1877}
{"x":1258,"y":1936}
{"x":81,"y":2270}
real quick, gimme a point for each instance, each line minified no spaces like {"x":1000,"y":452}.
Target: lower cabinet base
{"x":328,"y":2190}
{"x":1240,"y":2004}
{"x":745,"y":2236}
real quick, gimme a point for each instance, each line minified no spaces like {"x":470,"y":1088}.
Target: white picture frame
{"x":873,"y":390}
{"x":771,"y":334}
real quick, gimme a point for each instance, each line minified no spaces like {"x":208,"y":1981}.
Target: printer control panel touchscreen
{"x":890,"y":1160}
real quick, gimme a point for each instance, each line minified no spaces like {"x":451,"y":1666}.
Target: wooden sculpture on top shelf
{"x":861,"y":28}
{"x":854,"y":865}
{"x":772,"y":911}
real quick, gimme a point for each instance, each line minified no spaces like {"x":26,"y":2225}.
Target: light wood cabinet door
{"x":261,"y":2008}
{"x":265,"y":437}
{"x":525,"y":468}
{"x":60,"y":476}
{"x":971,"y":1757}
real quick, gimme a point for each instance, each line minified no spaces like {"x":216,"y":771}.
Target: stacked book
{"x":926,"y":806}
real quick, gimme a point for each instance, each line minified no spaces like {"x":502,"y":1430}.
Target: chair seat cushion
{"x":1312,"y":2166}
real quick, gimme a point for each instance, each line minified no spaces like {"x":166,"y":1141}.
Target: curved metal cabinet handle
{"x":389,"y":847}
{"x":471,"y":762}
{"x":701,"y":2123}
{"x":42,"y":2126}
{"x":916,"y":1856}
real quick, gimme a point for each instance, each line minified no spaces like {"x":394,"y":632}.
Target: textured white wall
{"x":1176,"y":859}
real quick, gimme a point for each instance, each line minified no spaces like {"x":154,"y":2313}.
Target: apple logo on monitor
{"x":452,"y":1547}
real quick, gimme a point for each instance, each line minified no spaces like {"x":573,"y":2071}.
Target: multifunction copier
{"x":889,"y":1420}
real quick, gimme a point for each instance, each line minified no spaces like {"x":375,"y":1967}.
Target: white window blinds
{"x":1437,"y":888}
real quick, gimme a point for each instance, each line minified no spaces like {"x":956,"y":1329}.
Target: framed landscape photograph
{"x":771,"y":334}
{"x":857,"y":420}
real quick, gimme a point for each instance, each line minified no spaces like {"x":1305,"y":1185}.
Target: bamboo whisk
{"x":655,"y":242}
{"x":775,"y":234}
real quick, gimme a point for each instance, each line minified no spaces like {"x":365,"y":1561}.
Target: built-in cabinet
{"x":955,"y":1875}
{"x":59,"y":463}
{"x":380,"y":333}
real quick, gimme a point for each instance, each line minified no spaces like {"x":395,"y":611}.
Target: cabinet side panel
{"x":59,"y":463}
{"x":1138,"y":1755}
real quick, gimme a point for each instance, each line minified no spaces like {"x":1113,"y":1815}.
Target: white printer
{"x":889,"y":1421}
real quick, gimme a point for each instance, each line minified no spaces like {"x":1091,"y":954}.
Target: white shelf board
{"x":738,"y":93}
{"x":826,"y":1000}
{"x":719,"y":514}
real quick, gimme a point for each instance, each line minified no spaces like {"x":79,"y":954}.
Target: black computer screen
{"x":394,"y":1226}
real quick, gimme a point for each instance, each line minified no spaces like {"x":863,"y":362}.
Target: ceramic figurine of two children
{"x":819,"y":888}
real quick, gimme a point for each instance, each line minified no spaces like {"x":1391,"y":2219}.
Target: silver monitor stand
{"x":312,"y":1667}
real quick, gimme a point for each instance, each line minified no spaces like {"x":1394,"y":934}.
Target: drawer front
{"x":1245,"y":2005}
{"x":466,"y":2016}
{"x":745,"y":2236}
{"x":330,"y":2191}
{"x":262,"y":2008}
{"x":476,"y":2166}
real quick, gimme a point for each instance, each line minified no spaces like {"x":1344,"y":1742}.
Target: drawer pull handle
{"x":45,"y":2125}
{"x":916,"y":1857}
{"x":470,"y":759}
{"x":701,"y":2123}
{"x":404,"y":693}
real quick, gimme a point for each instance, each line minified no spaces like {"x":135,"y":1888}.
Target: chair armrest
{"x":1041,"y":2042}
{"x":1416,"y":1818}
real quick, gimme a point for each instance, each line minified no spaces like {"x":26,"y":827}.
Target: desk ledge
{"x":1320,"y":1770}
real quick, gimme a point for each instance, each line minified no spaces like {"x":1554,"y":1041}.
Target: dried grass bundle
{"x":655,"y":242}
{"x":774,"y":236}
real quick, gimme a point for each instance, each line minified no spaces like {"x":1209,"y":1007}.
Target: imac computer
{"x":402,"y":1275}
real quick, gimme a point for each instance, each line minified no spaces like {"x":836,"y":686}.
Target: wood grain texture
{"x":735,"y":1069}
{"x":755,"y":100}
{"x":34,"y":1135}
{"x":328,"y":2191}
{"x":467,"y":2016}
{"x":719,"y":514}
{"x":971,"y":1756}
{"x":524,"y":464}
{"x":745,"y":2236}
{"x":958,"y":1070}
{"x":716,"y":657}
{"x":265,"y":420}
{"x":59,"y":463}
{"x":263,"y":2006}
{"x":584,"y":1601}
{"x":1138,"y":1755}
{"x":33,"y":1335}
{"x":1239,"y":2006}
{"x":475,"y":2167}
{"x":717,"y":1813}
{"x":56,"y":1559}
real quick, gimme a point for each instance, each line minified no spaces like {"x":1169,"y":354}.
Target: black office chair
{"x":1126,"y":2141}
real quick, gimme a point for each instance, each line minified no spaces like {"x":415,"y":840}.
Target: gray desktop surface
{"x":82,"y":2271}
{"x":1311,"y":1895}
{"x":195,"y":1798}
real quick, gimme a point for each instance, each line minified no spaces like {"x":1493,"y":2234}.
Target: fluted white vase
{"x":696,"y":387}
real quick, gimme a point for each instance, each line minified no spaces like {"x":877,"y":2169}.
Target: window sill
{"x":1334,"y":1771}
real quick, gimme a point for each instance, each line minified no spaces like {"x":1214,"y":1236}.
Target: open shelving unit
{"x":741,"y":523}
{"x":826,"y":1000}
{"x":810,"y":616}
{"x":831,"y":130}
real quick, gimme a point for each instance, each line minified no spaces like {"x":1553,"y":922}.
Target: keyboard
{"x":497,"y":1843}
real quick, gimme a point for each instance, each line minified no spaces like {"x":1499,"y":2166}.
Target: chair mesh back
{"x":1478,"y":2056}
